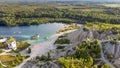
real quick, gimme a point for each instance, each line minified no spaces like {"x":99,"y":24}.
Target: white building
{"x":12,"y":45}
{"x":3,"y":40}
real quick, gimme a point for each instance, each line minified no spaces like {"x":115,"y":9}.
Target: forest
{"x":25,"y":14}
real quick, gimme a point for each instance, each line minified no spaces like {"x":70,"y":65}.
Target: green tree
{"x":105,"y":66}
{"x":1,"y":66}
{"x":29,"y":50}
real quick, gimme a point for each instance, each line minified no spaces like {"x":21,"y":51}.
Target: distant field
{"x":111,"y":5}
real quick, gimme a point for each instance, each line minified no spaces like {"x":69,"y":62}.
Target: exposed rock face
{"x":106,"y":34}
{"x":68,"y":50}
{"x":117,"y":63}
{"x":84,"y":35}
{"x":112,"y":49}
{"x":30,"y":64}
{"x":47,"y":64}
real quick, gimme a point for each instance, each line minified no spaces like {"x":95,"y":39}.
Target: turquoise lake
{"x":24,"y":32}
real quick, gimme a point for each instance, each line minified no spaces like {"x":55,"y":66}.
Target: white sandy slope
{"x":42,"y":48}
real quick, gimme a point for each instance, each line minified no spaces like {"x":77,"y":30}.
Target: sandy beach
{"x":42,"y":48}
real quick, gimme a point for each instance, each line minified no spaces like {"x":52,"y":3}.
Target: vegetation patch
{"x":44,"y":58}
{"x":11,"y":61}
{"x":84,"y":56}
{"x":112,"y":5}
{"x":22,"y":45}
{"x":60,"y":47}
{"x":102,"y":27}
{"x":62,"y":41}
{"x":13,"y":14}
{"x":1,"y":51}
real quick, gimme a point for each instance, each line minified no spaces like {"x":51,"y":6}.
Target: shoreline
{"x":43,"y":48}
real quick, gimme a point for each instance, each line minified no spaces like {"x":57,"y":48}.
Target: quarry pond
{"x":45,"y":31}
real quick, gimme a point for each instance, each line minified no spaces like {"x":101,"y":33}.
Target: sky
{"x":62,"y":0}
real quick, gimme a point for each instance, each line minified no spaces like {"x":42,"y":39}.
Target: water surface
{"x":24,"y":32}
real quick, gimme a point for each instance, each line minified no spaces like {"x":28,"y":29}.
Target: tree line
{"x":24,"y":15}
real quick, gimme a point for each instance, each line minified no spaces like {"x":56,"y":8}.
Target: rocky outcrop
{"x":117,"y":63}
{"x":112,"y":49}
{"x":68,"y":50}
{"x":83,"y":35}
{"x":40,"y":64}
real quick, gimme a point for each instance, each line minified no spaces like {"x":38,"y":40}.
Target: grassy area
{"x":101,"y":27}
{"x":22,"y":45}
{"x":111,"y":5}
{"x":1,"y":51}
{"x":11,"y":61}
{"x":62,"y":40}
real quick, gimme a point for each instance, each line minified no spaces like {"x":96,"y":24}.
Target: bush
{"x":1,"y":37}
{"x":18,"y":55}
{"x":27,"y":56}
{"x":86,"y":29}
{"x":38,"y":57}
{"x":17,"y":60}
{"x":49,"y":57}
{"x":62,"y":41}
{"x":22,"y":45}
{"x":1,"y":51}
{"x":1,"y":66}
{"x":29,"y":50}
{"x":43,"y":58}
{"x":114,"y":41}
{"x":13,"y":63}
{"x":60,"y":47}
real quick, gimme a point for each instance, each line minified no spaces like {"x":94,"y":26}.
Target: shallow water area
{"x":45,"y":31}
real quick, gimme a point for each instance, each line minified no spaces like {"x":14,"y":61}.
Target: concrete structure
{"x":12,"y":45}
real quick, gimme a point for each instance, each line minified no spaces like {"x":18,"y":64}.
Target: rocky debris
{"x":30,"y":64}
{"x":40,"y":64}
{"x":49,"y":64}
